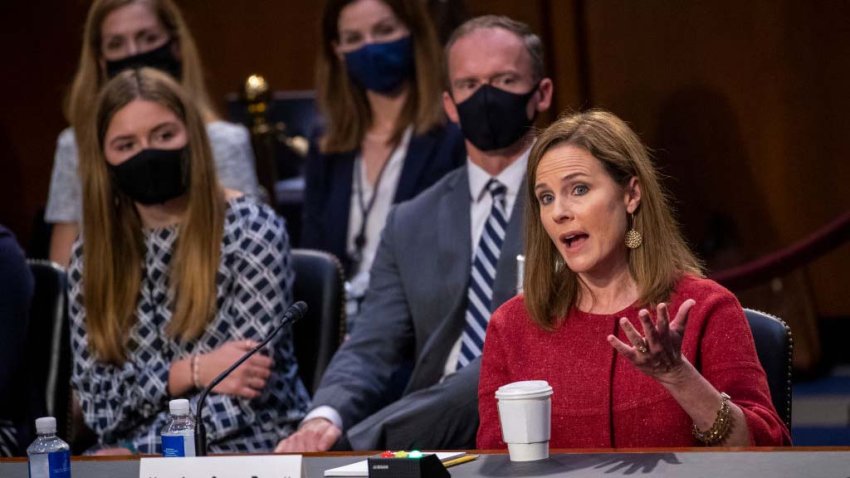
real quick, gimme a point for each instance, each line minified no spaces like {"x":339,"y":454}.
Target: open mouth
{"x":573,"y":240}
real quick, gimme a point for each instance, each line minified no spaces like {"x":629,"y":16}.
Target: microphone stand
{"x":295,"y":312}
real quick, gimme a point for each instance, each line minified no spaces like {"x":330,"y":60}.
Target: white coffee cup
{"x":525,"y":412}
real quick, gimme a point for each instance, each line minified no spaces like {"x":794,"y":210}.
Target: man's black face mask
{"x":494,"y":119}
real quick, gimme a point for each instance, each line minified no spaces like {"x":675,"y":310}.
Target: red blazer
{"x":600,"y":399}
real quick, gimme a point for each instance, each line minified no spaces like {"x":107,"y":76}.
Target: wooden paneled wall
{"x":745,"y":106}
{"x":40,"y":41}
{"x":743,"y":103}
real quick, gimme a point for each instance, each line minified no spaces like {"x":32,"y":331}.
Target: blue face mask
{"x":381,"y":67}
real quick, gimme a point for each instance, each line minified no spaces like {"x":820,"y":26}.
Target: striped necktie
{"x":483,"y":276}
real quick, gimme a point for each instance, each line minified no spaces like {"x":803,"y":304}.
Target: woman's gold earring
{"x":633,"y":238}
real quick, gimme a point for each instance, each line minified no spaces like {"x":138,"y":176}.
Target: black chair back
{"x":319,"y":282}
{"x":48,"y":348}
{"x":775,"y":347}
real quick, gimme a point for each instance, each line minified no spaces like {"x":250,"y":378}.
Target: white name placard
{"x":256,"y":466}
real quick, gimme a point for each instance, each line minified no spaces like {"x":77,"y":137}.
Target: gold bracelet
{"x":721,"y":427}
{"x":196,"y":371}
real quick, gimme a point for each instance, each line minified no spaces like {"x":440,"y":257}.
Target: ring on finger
{"x":642,"y":346}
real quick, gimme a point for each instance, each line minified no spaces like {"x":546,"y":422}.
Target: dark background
{"x":743,"y":103}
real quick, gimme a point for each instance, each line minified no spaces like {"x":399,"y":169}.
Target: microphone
{"x":292,"y":314}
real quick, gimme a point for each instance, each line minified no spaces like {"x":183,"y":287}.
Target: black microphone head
{"x":297,"y":310}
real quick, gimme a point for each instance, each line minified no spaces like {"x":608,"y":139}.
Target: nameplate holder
{"x":252,"y":466}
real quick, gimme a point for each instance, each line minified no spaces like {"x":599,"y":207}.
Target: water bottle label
{"x":56,"y":464}
{"x":60,"y":464}
{"x":178,"y":445}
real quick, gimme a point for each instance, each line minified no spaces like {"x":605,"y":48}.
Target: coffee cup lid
{"x":524,"y":390}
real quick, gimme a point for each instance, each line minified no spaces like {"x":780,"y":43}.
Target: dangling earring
{"x":633,"y":238}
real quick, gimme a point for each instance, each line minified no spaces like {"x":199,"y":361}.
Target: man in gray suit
{"x":447,"y":258}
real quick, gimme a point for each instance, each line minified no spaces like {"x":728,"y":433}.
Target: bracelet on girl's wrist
{"x":196,"y":371}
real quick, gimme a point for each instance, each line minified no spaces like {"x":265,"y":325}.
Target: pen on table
{"x":458,"y":461}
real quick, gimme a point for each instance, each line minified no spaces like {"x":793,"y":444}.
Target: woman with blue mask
{"x":386,"y":138}
{"x":121,"y":34}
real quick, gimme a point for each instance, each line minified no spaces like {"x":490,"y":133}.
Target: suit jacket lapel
{"x":418,"y":152}
{"x":454,"y":258}
{"x":339,"y":202}
{"x":455,"y":251}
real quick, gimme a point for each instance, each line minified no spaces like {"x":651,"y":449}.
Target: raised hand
{"x":658,"y":352}
{"x":246,"y":381}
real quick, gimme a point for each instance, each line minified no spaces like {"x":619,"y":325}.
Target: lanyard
{"x":366,"y":209}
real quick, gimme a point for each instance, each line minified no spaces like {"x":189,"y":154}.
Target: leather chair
{"x":775,"y":347}
{"x":319,"y":282}
{"x":48,"y":348}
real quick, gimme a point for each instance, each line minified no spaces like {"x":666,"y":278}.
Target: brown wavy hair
{"x":113,"y":243}
{"x":549,"y":286}
{"x":90,"y":77}
{"x":344,"y":103}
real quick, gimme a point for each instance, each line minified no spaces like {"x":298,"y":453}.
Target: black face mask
{"x":494,"y":119}
{"x":161,"y":58}
{"x":153,"y":176}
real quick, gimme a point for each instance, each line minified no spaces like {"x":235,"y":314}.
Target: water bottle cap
{"x":179,"y":406}
{"x":45,"y":425}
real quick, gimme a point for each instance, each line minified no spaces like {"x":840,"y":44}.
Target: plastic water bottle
{"x":49,"y":456}
{"x":178,"y":436}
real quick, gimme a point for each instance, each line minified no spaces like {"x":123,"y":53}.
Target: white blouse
{"x":377,"y":218}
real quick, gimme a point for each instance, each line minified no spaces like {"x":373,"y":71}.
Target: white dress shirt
{"x":479,"y":210}
{"x":383,"y":202}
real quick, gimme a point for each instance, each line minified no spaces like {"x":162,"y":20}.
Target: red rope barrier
{"x":785,"y":260}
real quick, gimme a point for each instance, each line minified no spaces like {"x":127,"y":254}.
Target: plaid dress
{"x":127,"y":405}
{"x":8,"y":439}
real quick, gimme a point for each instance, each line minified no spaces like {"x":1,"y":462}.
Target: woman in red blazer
{"x":640,"y":349}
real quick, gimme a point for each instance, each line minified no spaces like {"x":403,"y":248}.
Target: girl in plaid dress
{"x":173,"y":279}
